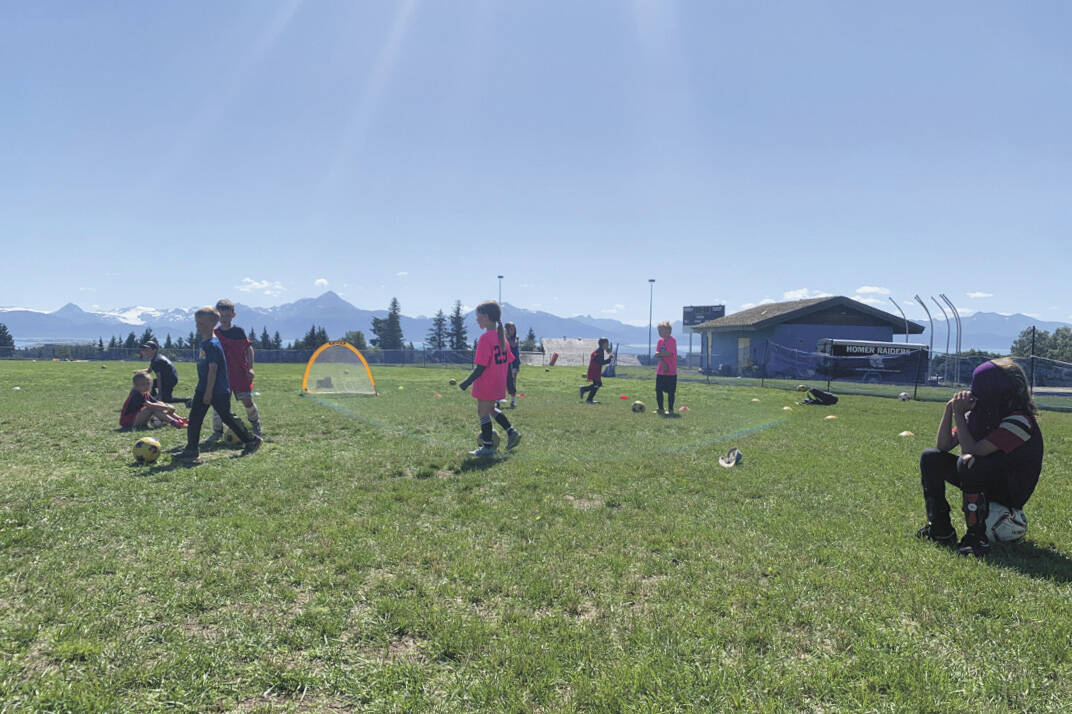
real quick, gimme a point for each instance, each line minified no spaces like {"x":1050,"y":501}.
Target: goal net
{"x":337,"y":368}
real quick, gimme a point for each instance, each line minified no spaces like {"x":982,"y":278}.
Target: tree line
{"x":1056,"y":345}
{"x":448,"y":332}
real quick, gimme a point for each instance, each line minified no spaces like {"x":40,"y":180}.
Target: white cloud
{"x":872,"y":290}
{"x":764,"y":301}
{"x":802,"y":294}
{"x":87,"y":290}
{"x":613,"y":310}
{"x":980,"y":295}
{"x":321,"y":282}
{"x":266,"y":287}
{"x":869,"y":300}
{"x":402,"y":274}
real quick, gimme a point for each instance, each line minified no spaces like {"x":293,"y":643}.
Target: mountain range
{"x":292,"y":320}
{"x":988,"y":331}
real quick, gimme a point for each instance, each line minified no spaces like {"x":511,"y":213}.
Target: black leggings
{"x":164,"y":394}
{"x":989,"y":475}
{"x":592,"y":389}
{"x":665,"y":383}
{"x":222,"y":404}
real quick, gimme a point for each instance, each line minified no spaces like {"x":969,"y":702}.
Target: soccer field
{"x":361,"y":561}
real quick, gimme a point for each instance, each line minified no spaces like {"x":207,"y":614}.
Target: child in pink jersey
{"x":492,"y":360}
{"x":666,"y":373}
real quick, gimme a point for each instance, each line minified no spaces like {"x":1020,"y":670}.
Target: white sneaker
{"x":484,"y":451}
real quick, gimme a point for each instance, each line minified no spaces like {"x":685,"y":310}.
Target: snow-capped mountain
{"x":987,"y":331}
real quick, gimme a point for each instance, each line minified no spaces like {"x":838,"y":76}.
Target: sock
{"x":592,"y":393}
{"x":659,"y":399}
{"x":252,"y":414}
{"x":670,"y":400}
{"x":217,"y":422}
{"x":486,"y":431}
{"x":976,"y":509}
{"x":503,"y":421}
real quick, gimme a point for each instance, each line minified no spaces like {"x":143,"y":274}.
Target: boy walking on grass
{"x":238,"y":350}
{"x":212,"y":391}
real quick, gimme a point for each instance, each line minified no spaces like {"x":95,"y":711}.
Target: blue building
{"x":737,"y":342}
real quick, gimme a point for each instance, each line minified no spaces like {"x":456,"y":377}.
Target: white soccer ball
{"x":1005,"y":524}
{"x":903,"y":396}
{"x":231,"y":439}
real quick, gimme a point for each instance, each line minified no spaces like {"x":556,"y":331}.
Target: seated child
{"x":140,"y":407}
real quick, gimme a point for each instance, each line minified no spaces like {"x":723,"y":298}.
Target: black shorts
{"x":666,"y":383}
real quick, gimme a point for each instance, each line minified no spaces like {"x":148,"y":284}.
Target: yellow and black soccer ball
{"x":146,"y":450}
{"x":638,"y":406}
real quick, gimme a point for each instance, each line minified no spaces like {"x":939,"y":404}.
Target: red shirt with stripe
{"x":234,"y":343}
{"x":1018,"y":437}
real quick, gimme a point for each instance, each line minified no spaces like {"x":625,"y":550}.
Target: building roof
{"x":763,"y":316}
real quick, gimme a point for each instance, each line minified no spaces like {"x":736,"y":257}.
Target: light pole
{"x":956,"y":317}
{"x":946,"y":316}
{"x":651,"y":303}
{"x":902,"y":317}
{"x":931,"y":333}
{"x":500,"y":290}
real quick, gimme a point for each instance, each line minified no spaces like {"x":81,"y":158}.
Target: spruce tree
{"x":457,"y":331}
{"x":7,"y":342}
{"x":167,"y":342}
{"x":436,"y":338}
{"x":277,"y":341}
{"x":388,"y":330}
{"x":529,"y":343}
{"x":266,"y":340}
{"x":131,"y":342}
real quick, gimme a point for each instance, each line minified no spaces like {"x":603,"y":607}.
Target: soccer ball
{"x":802,"y":387}
{"x":453,"y":382}
{"x":231,"y":439}
{"x":146,"y":450}
{"x":494,"y":439}
{"x":903,"y":396}
{"x":1005,"y":524}
{"x":638,"y":406}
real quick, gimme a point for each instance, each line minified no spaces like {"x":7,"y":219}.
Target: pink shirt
{"x":491,"y":384}
{"x":667,"y":365}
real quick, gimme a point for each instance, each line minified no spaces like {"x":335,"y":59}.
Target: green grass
{"x":361,"y":561}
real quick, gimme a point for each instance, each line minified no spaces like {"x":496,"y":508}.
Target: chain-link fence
{"x":772,"y":366}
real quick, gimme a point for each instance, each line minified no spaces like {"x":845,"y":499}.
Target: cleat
{"x":484,"y":451}
{"x":974,"y":545}
{"x":252,"y":445}
{"x":186,"y":456}
{"x":513,"y":439}
{"x":580,"y":393}
{"x":591,"y":401}
{"x":929,"y":532}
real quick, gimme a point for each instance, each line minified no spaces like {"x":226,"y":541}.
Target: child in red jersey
{"x":666,"y":372}
{"x":492,"y":360}
{"x":599,"y":357}
{"x":995,"y":425}
{"x":238,"y":349}
{"x":140,"y":407}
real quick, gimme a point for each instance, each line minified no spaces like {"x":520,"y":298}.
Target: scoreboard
{"x":695,"y":314}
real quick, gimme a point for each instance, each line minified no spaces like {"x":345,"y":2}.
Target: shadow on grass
{"x":479,"y":463}
{"x":1044,"y":563}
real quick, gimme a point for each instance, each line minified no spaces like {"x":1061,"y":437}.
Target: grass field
{"x":361,"y":561}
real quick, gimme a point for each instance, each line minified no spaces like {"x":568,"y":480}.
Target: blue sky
{"x":168,"y":154}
